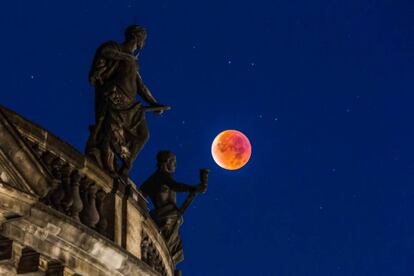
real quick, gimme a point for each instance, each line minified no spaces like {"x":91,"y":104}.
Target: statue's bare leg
{"x":140,"y":140}
{"x":108,"y":157}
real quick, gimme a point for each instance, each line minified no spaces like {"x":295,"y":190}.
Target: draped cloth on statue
{"x":169,"y":220}
{"x":120,"y":119}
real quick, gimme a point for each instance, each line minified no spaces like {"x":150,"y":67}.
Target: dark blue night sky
{"x":323,"y":89}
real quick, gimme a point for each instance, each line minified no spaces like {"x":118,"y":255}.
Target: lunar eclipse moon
{"x":231,"y":149}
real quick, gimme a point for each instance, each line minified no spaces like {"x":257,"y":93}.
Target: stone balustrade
{"x":113,"y":209}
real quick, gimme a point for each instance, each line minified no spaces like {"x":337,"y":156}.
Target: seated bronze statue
{"x":161,"y":188}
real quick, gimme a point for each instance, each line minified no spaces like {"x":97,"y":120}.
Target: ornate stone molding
{"x":71,"y":215}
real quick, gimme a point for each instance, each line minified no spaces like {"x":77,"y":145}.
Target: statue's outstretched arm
{"x":179,"y":187}
{"x":144,"y":92}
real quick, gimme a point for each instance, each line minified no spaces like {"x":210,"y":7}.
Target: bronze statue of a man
{"x":162,"y":188}
{"x":120,"y":129}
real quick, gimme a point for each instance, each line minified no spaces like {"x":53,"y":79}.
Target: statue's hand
{"x":159,"y":112}
{"x":204,"y":176}
{"x":202,"y":187}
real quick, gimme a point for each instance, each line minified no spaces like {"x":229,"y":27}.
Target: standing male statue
{"x":162,"y":188}
{"x":120,"y":129}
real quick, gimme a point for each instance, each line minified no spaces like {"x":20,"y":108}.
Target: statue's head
{"x":166,"y":161}
{"x":136,"y":33}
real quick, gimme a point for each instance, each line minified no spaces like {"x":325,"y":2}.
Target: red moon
{"x":231,"y":149}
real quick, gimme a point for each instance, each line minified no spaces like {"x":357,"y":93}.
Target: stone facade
{"x":62,"y":215}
